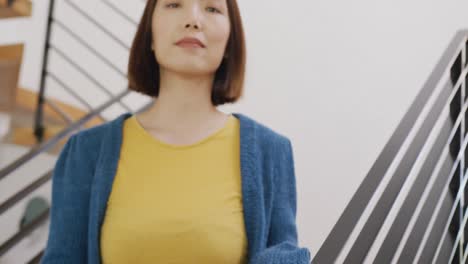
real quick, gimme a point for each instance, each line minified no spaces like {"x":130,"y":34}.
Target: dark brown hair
{"x":143,"y":70}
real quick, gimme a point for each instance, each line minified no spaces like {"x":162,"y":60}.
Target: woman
{"x":181,"y":182}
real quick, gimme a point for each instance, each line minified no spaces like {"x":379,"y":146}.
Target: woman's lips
{"x":190,"y":42}
{"x":189,"y":45}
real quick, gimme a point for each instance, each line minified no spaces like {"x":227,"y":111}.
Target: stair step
{"x":19,"y":8}
{"x":24,"y":136}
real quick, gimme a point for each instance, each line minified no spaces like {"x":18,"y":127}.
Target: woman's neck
{"x":182,"y":103}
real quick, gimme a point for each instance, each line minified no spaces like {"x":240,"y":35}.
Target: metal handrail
{"x":25,"y":231}
{"x":120,"y":12}
{"x":98,"y":84}
{"x":97,"y":24}
{"x":341,"y":232}
{"x":38,"y":127}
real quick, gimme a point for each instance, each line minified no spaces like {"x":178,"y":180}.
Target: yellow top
{"x":176,"y":204}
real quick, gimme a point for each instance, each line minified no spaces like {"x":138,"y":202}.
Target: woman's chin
{"x":192,"y":70}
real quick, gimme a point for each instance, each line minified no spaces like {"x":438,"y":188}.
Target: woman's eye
{"x":210,"y":9}
{"x":215,"y":9}
{"x":171,"y":5}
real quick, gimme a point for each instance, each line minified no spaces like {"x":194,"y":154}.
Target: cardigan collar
{"x":252,"y":195}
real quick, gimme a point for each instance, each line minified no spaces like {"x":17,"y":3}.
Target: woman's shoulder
{"x":265,"y":137}
{"x":92,"y":137}
{"x":264,"y":130}
{"x":85,"y":145}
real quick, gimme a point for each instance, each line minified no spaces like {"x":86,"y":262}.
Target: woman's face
{"x":206,"y":20}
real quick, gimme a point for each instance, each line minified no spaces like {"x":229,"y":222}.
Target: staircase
{"x":40,"y":124}
{"x":22,"y":120}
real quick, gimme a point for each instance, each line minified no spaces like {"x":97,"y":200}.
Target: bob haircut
{"x":143,"y":70}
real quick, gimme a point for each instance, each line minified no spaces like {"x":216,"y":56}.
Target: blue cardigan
{"x":85,"y":169}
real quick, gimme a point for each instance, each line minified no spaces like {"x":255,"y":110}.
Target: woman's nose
{"x":192,"y":25}
{"x":194,"y":18}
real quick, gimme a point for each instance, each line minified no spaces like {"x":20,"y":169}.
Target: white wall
{"x":340,"y":75}
{"x":335,"y":76}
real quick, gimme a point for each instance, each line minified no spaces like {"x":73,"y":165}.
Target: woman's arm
{"x":282,"y":245}
{"x":67,"y":239}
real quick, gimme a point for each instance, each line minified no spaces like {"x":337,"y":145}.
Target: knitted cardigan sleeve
{"x":282,"y":246}
{"x":67,"y":239}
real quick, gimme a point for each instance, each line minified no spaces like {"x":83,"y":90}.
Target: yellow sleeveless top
{"x":176,"y":204}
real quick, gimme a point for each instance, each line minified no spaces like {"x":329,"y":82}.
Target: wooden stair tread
{"x":8,"y":13}
{"x":22,"y":121}
{"x":19,"y":8}
{"x":24,"y":136}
